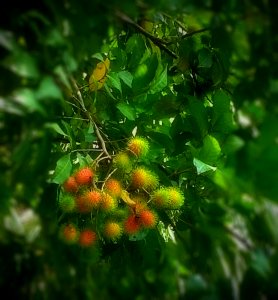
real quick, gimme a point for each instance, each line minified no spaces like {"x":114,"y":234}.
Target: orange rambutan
{"x":87,"y":238}
{"x":70,"y":185}
{"x":83,"y":205}
{"x":112,"y":230}
{"x":132,"y":224}
{"x":138,"y":146}
{"x":84,"y":176}
{"x":113,"y":187}
{"x":93,"y":198}
{"x":69,"y":233}
{"x":147,"y":218}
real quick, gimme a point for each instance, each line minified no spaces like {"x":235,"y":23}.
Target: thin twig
{"x":81,"y":102}
{"x":107,"y":177}
{"x":102,"y":142}
{"x":193,"y":33}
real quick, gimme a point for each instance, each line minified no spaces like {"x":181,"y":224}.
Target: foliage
{"x":198,"y":82}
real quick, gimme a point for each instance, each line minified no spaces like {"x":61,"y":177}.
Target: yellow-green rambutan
{"x":122,"y":161}
{"x":67,"y":203}
{"x":160,"y":198}
{"x":112,"y":230}
{"x":108,"y":203}
{"x":142,"y":178}
{"x":175,"y":196}
{"x":138,"y":146}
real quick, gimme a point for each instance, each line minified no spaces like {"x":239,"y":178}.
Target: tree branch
{"x":157,"y":41}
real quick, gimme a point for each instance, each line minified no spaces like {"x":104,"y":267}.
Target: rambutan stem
{"x":107,"y":177}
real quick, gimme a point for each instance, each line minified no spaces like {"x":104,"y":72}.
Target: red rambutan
{"x":70,"y":185}
{"x":147,"y":219}
{"x":132,"y":224}
{"x":84,"y":176}
{"x":87,"y":238}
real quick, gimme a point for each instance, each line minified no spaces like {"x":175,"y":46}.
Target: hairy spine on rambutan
{"x":113,"y":187}
{"x":70,"y":185}
{"x":87,"y":238}
{"x":84,"y":176}
{"x":112,"y":230}
{"x":138,"y":146}
{"x":69,"y":233}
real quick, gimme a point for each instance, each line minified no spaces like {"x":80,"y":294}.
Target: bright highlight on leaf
{"x":98,"y":77}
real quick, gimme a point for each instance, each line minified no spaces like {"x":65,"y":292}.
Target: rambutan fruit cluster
{"x":119,"y":199}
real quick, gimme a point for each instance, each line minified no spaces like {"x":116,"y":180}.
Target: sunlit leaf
{"x":126,"y":77}
{"x":202,"y":167}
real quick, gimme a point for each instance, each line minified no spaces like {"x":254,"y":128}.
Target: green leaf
{"x":114,"y":81}
{"x":260,"y":263}
{"x":89,"y":136}
{"x":210,"y":151}
{"x":98,"y":56}
{"x":202,"y":167}
{"x":127,"y":111}
{"x":222,"y":115}
{"x":159,"y":82}
{"x":62,"y":170}
{"x":126,"y":77}
{"x":48,"y":89}
{"x":22,"y":64}
{"x":26,"y":97}
{"x":56,"y":128}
